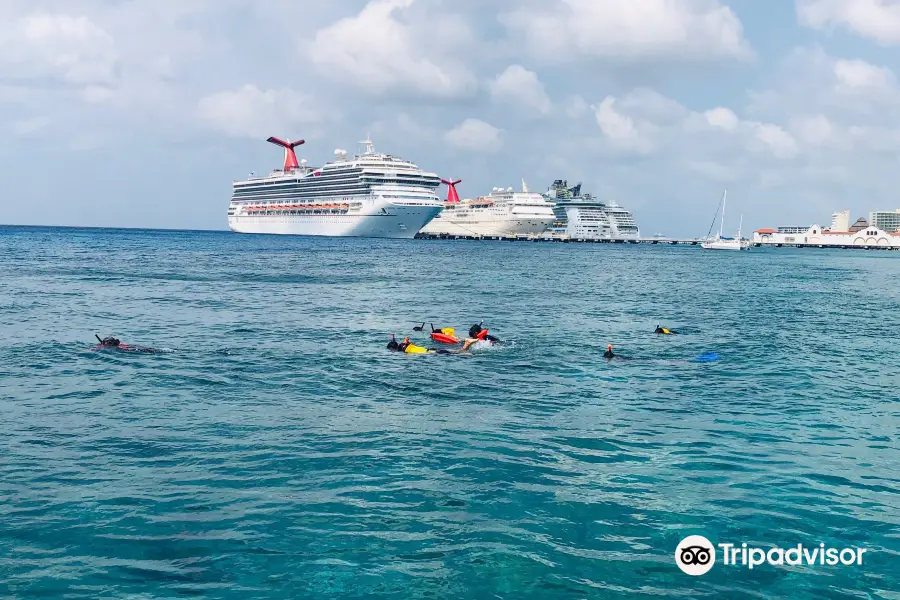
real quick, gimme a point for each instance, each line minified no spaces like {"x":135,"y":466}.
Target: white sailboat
{"x":723,"y":243}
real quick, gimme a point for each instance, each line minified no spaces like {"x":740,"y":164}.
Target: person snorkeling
{"x":610,"y":355}
{"x":664,"y":331}
{"x":408,"y":347}
{"x":108,"y":342}
{"x":115,"y":344}
{"x":478,"y":332}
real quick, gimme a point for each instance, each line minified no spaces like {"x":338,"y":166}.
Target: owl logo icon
{"x":695,"y":555}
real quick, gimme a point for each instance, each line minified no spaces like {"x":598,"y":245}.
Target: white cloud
{"x":636,"y":29}
{"x":476,"y":135}
{"x":875,"y":19}
{"x":781,"y":143}
{"x":652,"y":106}
{"x":646,"y":122}
{"x":379,"y":53}
{"x":848,"y":93}
{"x":860,"y":76}
{"x":28,"y":127}
{"x":621,"y":130}
{"x":68,"y":48}
{"x":723,"y":118}
{"x":814,"y":130}
{"x":519,"y":86}
{"x":576,"y":107}
{"x":96,"y":94}
{"x":403,"y":126}
{"x":254,"y":113}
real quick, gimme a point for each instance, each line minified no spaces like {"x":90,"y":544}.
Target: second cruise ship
{"x":369,"y":195}
{"x":503,"y":212}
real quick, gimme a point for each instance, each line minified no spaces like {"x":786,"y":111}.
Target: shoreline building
{"x":841,"y":233}
{"x":887,"y":220}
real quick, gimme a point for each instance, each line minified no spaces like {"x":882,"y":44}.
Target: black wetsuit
{"x":608,"y":355}
{"x":114,"y":344}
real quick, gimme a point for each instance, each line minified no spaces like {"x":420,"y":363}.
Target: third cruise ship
{"x":583,"y":217}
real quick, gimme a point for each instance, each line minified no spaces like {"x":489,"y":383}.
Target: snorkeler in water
{"x":110,"y":342}
{"x":706,"y":357}
{"x":664,"y":331}
{"x":478,"y":332}
{"x":408,"y":347}
{"x":610,"y":355}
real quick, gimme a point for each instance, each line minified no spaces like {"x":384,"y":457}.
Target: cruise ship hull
{"x":378,"y":219}
{"x":488,"y":228}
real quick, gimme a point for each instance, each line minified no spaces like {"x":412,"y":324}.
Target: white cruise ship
{"x":503,"y":212}
{"x":369,"y":195}
{"x":585,"y":218}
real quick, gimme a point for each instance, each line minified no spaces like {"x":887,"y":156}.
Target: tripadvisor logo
{"x":696,"y":555}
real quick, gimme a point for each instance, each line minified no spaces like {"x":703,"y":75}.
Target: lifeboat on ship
{"x":447,"y":335}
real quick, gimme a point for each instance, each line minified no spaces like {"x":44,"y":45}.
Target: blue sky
{"x":140,"y":113}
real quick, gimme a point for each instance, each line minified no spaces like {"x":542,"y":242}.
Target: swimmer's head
{"x":110,"y":341}
{"x":393,"y":345}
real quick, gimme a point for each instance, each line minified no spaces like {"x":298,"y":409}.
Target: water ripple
{"x":276,"y":449}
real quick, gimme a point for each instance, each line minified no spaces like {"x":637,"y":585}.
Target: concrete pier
{"x":547,"y":237}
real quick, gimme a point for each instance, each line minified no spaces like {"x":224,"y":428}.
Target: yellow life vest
{"x":448,"y":331}
{"x":413,"y":349}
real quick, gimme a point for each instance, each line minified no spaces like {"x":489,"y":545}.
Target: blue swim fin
{"x":707,"y":357}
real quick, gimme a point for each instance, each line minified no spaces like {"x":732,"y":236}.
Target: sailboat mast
{"x":722,"y":222}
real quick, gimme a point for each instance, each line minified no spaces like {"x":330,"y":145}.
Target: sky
{"x":141,"y":113}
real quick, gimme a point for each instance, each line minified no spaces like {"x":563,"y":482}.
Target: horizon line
{"x":33,"y":226}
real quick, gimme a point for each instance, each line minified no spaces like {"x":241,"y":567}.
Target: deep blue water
{"x":277,"y":450}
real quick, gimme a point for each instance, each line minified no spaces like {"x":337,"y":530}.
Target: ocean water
{"x":276,"y":449}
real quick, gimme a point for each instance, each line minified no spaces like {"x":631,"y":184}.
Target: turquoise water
{"x":276,"y":449}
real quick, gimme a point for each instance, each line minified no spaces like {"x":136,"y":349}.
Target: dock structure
{"x":836,"y":246}
{"x":563,"y":238}
{"x":560,"y":238}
